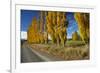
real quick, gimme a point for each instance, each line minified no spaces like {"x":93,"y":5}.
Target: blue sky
{"x":72,"y":26}
{"x":27,"y":16}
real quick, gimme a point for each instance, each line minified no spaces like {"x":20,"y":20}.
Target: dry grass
{"x":66,"y":53}
{"x":77,"y":53}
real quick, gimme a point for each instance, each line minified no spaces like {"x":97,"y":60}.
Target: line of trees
{"x":54,"y":24}
{"x":50,"y":23}
{"x":56,"y":27}
{"x":83,"y":25}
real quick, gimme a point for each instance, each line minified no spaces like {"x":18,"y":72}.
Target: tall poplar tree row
{"x":32,"y":31}
{"x":50,"y":23}
{"x":83,"y":25}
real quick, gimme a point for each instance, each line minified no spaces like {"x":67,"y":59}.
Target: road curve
{"x":28,"y":56}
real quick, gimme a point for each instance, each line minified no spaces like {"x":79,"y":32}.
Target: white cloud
{"x":69,"y":36}
{"x":23,"y":35}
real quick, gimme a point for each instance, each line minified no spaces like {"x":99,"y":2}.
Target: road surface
{"x":32,"y":55}
{"x":28,"y":56}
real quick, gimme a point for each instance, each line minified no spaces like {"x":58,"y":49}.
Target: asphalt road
{"x":29,"y":54}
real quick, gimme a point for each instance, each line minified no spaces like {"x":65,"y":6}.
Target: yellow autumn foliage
{"x":83,"y":25}
{"x":75,"y":36}
{"x":55,"y":26}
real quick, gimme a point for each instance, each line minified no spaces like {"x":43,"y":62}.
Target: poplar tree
{"x":83,"y":25}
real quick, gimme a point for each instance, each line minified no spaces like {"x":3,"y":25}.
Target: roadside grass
{"x":77,"y":53}
{"x":74,"y":50}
